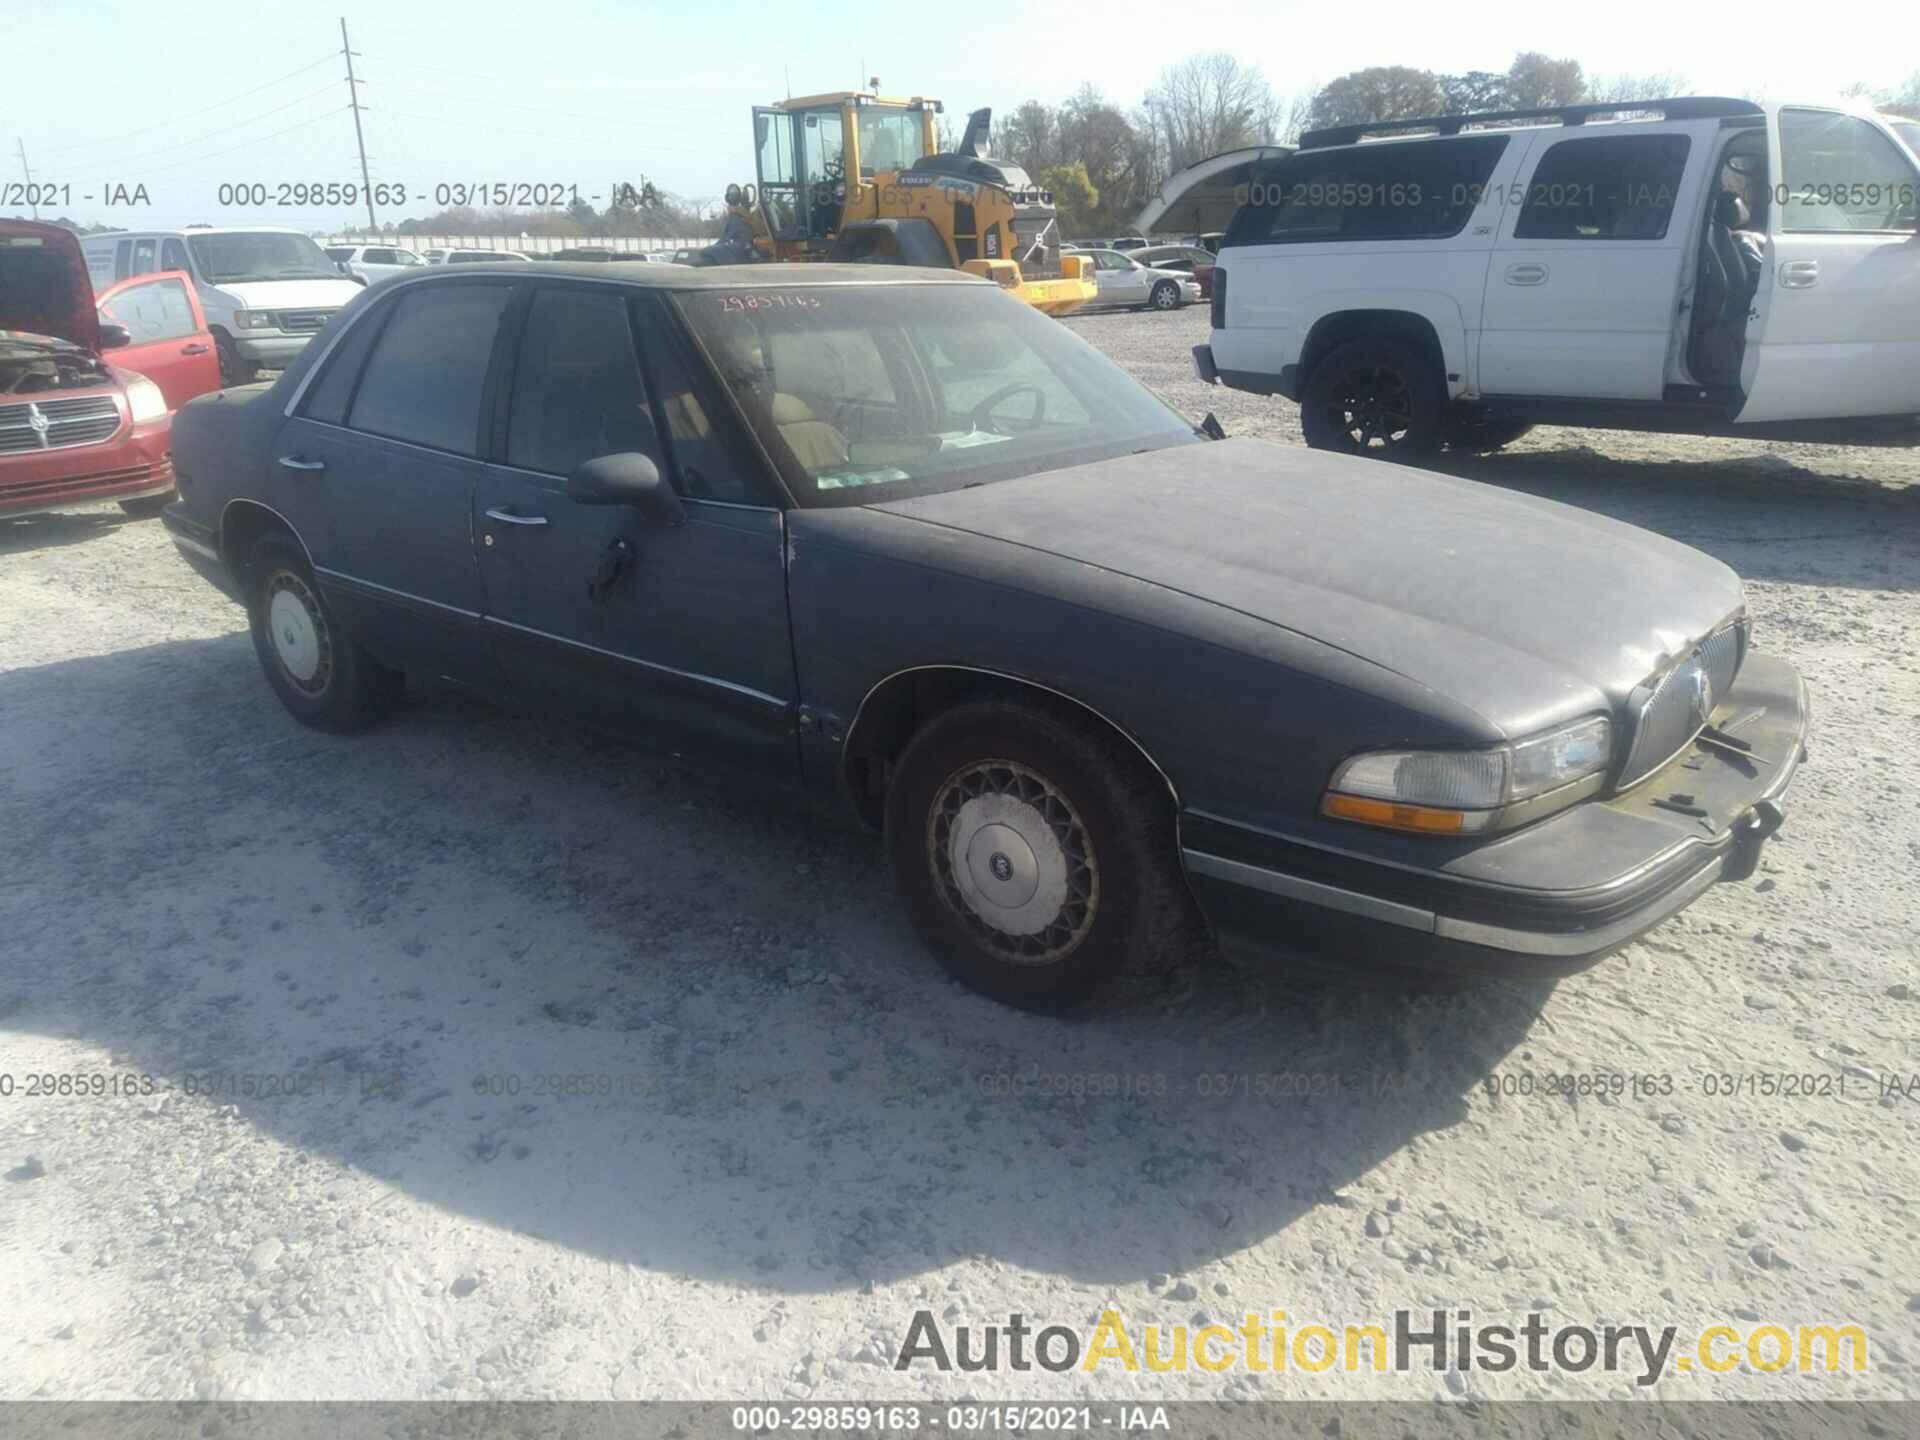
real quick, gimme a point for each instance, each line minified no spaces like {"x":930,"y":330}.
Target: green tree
{"x":1535,"y":80}
{"x":1074,"y":196}
{"x":1379,"y":93}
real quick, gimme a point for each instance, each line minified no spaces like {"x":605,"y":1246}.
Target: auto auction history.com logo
{"x":1432,"y":1340}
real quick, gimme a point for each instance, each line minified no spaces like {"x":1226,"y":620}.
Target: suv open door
{"x":1838,"y":312}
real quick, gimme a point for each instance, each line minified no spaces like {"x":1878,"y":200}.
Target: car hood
{"x":1525,"y":610}
{"x":44,"y":286}
{"x":290,"y":294}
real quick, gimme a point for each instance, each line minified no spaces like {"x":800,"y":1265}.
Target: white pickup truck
{"x":1697,"y":265}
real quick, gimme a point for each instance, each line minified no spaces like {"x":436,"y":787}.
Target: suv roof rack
{"x":1684,"y":107}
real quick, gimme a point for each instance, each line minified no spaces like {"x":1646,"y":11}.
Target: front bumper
{"x":135,"y":463}
{"x":1569,"y":890}
{"x":275,"y":352}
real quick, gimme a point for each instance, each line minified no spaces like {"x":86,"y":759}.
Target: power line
{"x":249,"y":144}
{"x":191,"y":114}
{"x":448,"y":120}
{"x":496,"y":80}
{"x":564,"y":114}
{"x":225,"y":129}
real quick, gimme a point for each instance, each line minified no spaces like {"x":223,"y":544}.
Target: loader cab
{"x":816,"y":159}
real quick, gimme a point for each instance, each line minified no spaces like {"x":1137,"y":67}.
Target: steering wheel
{"x":982,"y":418}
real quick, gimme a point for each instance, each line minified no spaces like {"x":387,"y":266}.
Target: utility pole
{"x":32,"y":199}
{"x":366,"y":181}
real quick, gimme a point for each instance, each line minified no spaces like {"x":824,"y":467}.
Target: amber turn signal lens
{"x":1421,"y":819}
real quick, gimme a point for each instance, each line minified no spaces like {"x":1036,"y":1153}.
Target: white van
{"x":1698,"y":264}
{"x":266,"y":290}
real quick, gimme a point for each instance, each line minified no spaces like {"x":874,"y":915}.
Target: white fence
{"x":525,"y":244}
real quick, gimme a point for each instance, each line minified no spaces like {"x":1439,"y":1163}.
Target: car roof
{"x":187,"y":233}
{"x":766,"y":276}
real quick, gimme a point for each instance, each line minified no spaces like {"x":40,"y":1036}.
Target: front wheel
{"x":234,"y":368}
{"x":1379,"y":398}
{"x":323,"y":678}
{"x":1165,"y":296}
{"x":1036,"y":858}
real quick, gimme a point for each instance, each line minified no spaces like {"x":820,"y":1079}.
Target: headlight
{"x":1465,"y":792}
{"x":144,"y":400}
{"x":255,"y":320}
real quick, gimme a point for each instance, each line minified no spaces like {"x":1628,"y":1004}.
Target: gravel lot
{"x":430,"y":927}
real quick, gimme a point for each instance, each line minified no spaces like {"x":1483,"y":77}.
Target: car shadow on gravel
{"x":647,"y":1011}
{"x":46,"y":532}
{"x":1770,"y":517}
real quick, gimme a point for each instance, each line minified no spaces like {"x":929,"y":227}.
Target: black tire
{"x":323,"y":678}
{"x":234,"y":370}
{"x":1006,"y":773}
{"x":1379,"y":398}
{"x":148,"y":506}
{"x":1165,"y":295}
{"x":1480,"y":434}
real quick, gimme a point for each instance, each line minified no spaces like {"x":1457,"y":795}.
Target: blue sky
{"x":584,"y":91}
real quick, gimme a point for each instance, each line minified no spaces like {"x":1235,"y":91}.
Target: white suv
{"x":266,"y":290}
{"x":1696,"y":265}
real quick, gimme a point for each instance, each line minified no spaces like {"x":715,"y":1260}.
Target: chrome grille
{"x":1670,"y":710}
{"x":304,"y":322}
{"x":57,"y":424}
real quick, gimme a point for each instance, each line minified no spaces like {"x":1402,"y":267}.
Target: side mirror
{"x":628,"y":478}
{"x":112,"y":336}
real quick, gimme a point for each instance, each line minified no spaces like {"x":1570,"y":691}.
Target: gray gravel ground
{"x":794,"y":1131}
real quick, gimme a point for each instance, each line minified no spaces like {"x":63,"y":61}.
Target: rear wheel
{"x":323,"y":678}
{"x":1379,"y":398}
{"x":1035,"y":858}
{"x":1165,"y":296}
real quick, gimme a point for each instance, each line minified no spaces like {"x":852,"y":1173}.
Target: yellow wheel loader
{"x":853,"y":176}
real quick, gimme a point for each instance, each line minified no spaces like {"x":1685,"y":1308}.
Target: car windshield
{"x":1909,"y":131}
{"x":865,"y":393}
{"x":239,"y":255}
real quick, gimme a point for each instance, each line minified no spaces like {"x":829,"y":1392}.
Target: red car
{"x":73,"y":428}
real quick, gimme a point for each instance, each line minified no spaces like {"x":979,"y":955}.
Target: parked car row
{"x":87,"y":383}
{"x":768,"y":514}
{"x":760,"y":511}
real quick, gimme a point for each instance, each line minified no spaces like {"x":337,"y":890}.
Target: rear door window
{"x":425,"y":380}
{"x":1406,"y":190}
{"x":1604,"y":187}
{"x":145,"y":256}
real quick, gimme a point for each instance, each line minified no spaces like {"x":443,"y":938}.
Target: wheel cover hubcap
{"x":1374,"y":408}
{"x":1012,"y":858}
{"x":299,"y":634}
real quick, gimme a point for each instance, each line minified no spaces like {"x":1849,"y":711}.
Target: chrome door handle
{"x":1799,"y":274}
{"x":1526,"y":274}
{"x":508,"y":517}
{"x":294,"y":462}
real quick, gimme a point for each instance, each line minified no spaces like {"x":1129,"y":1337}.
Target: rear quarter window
{"x":1405,"y":190}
